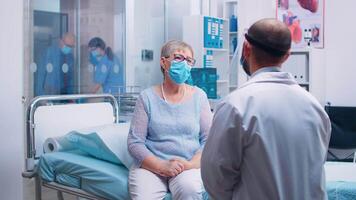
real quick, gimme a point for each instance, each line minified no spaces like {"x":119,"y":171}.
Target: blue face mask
{"x":245,"y":64}
{"x":94,"y":57}
{"x":179,"y":71}
{"x":66,"y":50}
{"x":95,"y":53}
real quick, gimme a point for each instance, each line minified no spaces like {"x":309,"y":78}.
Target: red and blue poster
{"x":305,"y":20}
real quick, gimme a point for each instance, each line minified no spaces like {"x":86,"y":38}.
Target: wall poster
{"x":305,"y":20}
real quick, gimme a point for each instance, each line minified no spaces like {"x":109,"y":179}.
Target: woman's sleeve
{"x":206,"y":117}
{"x":138,"y":133}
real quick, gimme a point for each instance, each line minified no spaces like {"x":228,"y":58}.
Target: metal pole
{"x":165,"y":18}
{"x":77,"y":19}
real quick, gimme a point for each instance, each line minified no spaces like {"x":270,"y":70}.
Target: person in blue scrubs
{"x":108,"y":74}
{"x":55,"y":73}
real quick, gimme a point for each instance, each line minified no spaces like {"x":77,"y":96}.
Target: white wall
{"x":11,"y":115}
{"x":176,"y":10}
{"x":340,"y":52}
{"x":332,"y":68}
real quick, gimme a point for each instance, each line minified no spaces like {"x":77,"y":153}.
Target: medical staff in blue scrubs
{"x":56,"y":70}
{"x":108,"y":74}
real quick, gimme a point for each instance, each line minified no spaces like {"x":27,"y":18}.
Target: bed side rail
{"x":40,"y":100}
{"x":70,"y":190}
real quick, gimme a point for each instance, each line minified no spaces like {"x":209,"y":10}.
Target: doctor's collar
{"x":266,"y":69}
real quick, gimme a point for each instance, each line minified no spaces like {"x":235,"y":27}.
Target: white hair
{"x":171,"y":46}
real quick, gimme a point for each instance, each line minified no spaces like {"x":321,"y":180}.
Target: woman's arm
{"x":138,"y":133}
{"x":96,"y":88}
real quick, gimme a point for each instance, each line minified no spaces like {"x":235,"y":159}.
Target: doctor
{"x":269,"y":138}
{"x":108,"y":74}
{"x":56,"y":69}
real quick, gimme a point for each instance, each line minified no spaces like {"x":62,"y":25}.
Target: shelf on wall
{"x":303,"y":83}
{"x":222,"y":81}
{"x":215,"y":49}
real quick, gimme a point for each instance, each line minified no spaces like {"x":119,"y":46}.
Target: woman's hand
{"x":170,"y":168}
{"x":194,"y":163}
{"x":187,"y":164}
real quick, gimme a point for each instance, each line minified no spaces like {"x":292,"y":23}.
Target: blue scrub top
{"x":55,"y":81}
{"x":109,"y":76}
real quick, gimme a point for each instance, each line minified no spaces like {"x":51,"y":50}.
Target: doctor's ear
{"x":246,"y":49}
{"x":286,"y":56}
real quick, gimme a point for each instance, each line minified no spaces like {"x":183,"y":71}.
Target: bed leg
{"x":60,"y":195}
{"x":38,"y":188}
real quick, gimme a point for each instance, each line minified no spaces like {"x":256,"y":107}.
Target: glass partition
{"x":145,"y":41}
{"x":74,"y":46}
{"x":153,"y":23}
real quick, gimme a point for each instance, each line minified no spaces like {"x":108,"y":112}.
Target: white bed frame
{"x":49,"y":116}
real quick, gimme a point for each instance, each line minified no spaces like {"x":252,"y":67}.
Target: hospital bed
{"x":51,"y":116}
{"x":74,"y":172}
{"x":77,"y":173}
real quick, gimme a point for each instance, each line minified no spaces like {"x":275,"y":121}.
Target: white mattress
{"x":340,"y":171}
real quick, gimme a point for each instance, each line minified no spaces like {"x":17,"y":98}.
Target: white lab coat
{"x":268,"y":140}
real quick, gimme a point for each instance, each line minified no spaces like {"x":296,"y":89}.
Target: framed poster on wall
{"x":305,"y":20}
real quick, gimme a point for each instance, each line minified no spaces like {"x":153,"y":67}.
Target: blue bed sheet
{"x":341,"y":190}
{"x":79,"y":170}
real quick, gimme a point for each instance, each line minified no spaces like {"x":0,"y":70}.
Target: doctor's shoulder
{"x":237,"y":98}
{"x":309,"y":96}
{"x":240,"y":93}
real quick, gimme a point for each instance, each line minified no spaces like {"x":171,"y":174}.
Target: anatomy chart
{"x":305,"y":20}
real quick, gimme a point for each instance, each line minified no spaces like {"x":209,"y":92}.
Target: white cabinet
{"x":209,"y":37}
{"x":298,"y":64}
{"x":230,"y":12}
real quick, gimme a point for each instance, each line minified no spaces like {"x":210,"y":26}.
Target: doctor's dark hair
{"x":270,"y":40}
{"x":97,"y":42}
{"x":171,"y":46}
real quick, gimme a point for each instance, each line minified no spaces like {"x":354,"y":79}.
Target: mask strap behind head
{"x":269,"y":49}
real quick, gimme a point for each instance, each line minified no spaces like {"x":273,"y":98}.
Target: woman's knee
{"x":144,"y":184}
{"x":187,"y":187}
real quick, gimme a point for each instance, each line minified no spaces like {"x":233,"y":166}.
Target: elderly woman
{"x":168,"y":131}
